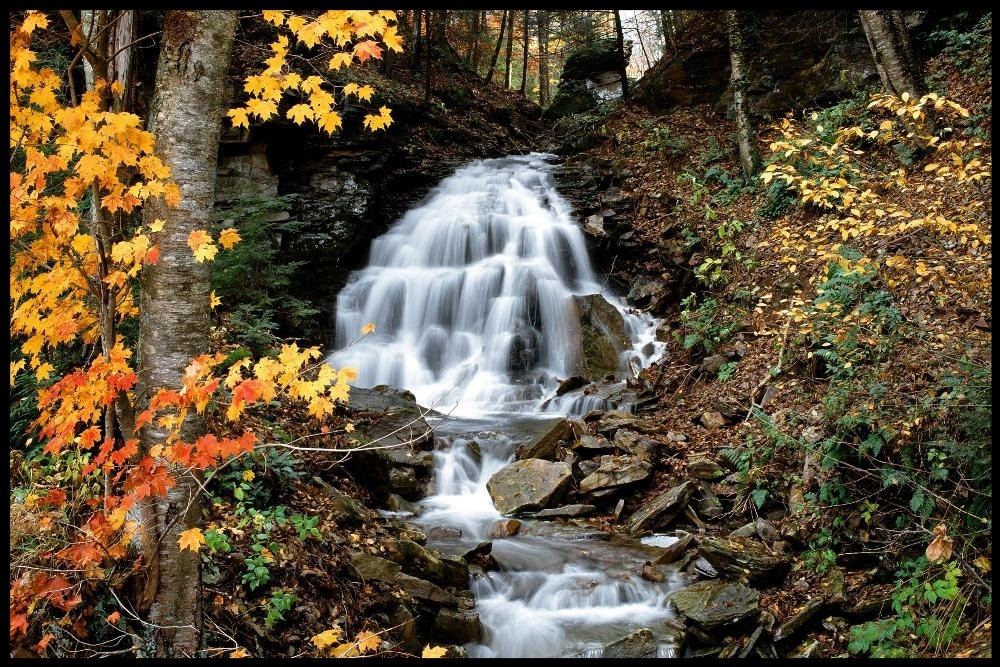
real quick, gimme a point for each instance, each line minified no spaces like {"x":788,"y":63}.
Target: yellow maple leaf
{"x":327,"y":637}
{"x":201,"y":243}
{"x":319,"y":406}
{"x":379,"y":122}
{"x":43,"y":371}
{"x":349,"y":427}
{"x":213,"y":300}
{"x":191,"y":539}
{"x":156,"y":225}
{"x":434,"y":652}
{"x":365,"y":93}
{"x":367,"y":641}
{"x":311,"y":84}
{"x":117,"y":88}
{"x":248,"y":475}
{"x":33,"y":20}
{"x":351,"y":89}
{"x":329,"y":122}
{"x":229,"y":237}
{"x":274,"y":16}
{"x":239,"y":117}
{"x":368,"y":328}
{"x":392,"y":39}
{"x":240,"y":653}
{"x":300,"y":113}
{"x":342,"y":59}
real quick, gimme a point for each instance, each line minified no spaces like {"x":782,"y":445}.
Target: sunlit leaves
{"x":354,"y":33}
{"x":378,"y":122}
{"x":201,"y":244}
{"x":191,"y":539}
{"x":229,"y":237}
{"x":434,"y":652}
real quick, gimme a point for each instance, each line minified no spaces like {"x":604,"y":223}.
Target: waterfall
{"x":472,"y":297}
{"x":471,"y":294}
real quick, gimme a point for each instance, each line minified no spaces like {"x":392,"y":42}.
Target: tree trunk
{"x":496,"y":51}
{"x":749,"y":155}
{"x":543,"y":57}
{"x":473,"y":56}
{"x":415,"y":53}
{"x":894,"y":59}
{"x":638,"y":34}
{"x":524,"y":57}
{"x":427,"y":57}
{"x":510,"y":49}
{"x":620,"y":42}
{"x":186,"y":119}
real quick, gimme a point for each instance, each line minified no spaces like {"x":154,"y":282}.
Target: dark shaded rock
{"x":455,"y":571}
{"x":594,"y":57}
{"x":738,"y":557}
{"x":766,"y":530}
{"x":373,"y":567}
{"x":403,"y":481}
{"x":599,"y":335}
{"x":422,"y":589}
{"x":636,"y":444}
{"x":346,"y":510}
{"x":661,"y":510}
{"x":834,"y":586}
{"x":565,"y":511}
{"x":795,"y":622}
{"x":808,"y":649}
{"x":615,"y":471}
{"x":531,"y":484}
{"x":543,"y":445}
{"x":572,"y":97}
{"x":571,"y":383}
{"x":405,"y":628}
{"x":612,"y":421}
{"x":504,"y":528}
{"x":700,"y":466}
{"x":645,"y":291}
{"x":639,"y":644}
{"x":675,"y":550}
{"x":457,"y":626}
{"x":397,"y":503}
{"x":454,"y":651}
{"x":412,"y":532}
{"x":587,"y":466}
{"x":746,"y":530}
{"x":715,"y":604}
{"x":649,"y":572}
{"x":712,"y":364}
{"x":443,"y":533}
{"x":708,"y":504}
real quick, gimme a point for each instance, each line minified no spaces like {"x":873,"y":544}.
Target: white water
{"x":471,"y":295}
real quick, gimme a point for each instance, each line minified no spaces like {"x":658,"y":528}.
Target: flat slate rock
{"x":565,"y":511}
{"x":529,"y":485}
{"x":715,"y":604}
{"x":661,"y":510}
{"x":743,"y":557}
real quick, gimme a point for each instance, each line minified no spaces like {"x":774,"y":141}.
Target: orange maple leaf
{"x":191,"y":539}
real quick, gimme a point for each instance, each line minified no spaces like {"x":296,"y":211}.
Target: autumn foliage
{"x":77,"y":171}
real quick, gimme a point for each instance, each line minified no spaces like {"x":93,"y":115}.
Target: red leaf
{"x":18,"y":624}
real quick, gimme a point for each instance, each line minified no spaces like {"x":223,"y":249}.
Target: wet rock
{"x":421,"y":589}
{"x":403,"y":481}
{"x":807,"y":649}
{"x":454,"y":651}
{"x":715,"y":604}
{"x":412,"y":532}
{"x":835,"y":624}
{"x":646,"y":291}
{"x":650,"y":573}
{"x":747,"y":530}
{"x":456,"y":571}
{"x":397,"y":503}
{"x":798,"y":619}
{"x":543,"y":445}
{"x":660,"y":511}
{"x":346,"y":510}
{"x":594,"y":226}
{"x":439,"y":533}
{"x":712,"y":419}
{"x":456,"y":626}
{"x":565,"y":511}
{"x":615,"y":471}
{"x":636,"y":444}
{"x":374,"y":567}
{"x":708,"y":504}
{"x":676,"y":550}
{"x":587,"y":466}
{"x":592,"y":443}
{"x":397,"y":419}
{"x":639,"y":644}
{"x":504,"y":528}
{"x":405,"y":628}
{"x":414,"y":559}
{"x":571,"y":383}
{"x":703,"y":568}
{"x":738,"y":557}
{"x":599,"y":334}
{"x":700,"y":466}
{"x":531,"y":484}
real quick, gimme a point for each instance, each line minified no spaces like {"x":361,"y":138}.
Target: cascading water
{"x":471,"y":294}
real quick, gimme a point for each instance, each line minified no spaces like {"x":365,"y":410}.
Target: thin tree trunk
{"x":638,"y":32}
{"x":472,"y":57}
{"x":665,"y":29}
{"x":620,"y":43}
{"x":120,"y":65}
{"x":510,"y":49}
{"x":893,"y":53}
{"x":749,"y":155}
{"x":480,"y":28}
{"x":496,"y":51}
{"x":415,"y":53}
{"x":427,"y":58}
{"x":543,"y":57}
{"x":187,"y":121}
{"x":524,"y":57}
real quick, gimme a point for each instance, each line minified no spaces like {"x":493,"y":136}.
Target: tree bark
{"x":415,"y":53}
{"x":524,"y":57}
{"x":543,"y":57}
{"x":620,"y":43}
{"x":186,"y":120}
{"x":477,"y":23}
{"x":750,"y":159}
{"x":510,"y":49}
{"x":427,"y":57}
{"x":893,"y":53}
{"x":496,"y":51}
{"x":642,"y":44}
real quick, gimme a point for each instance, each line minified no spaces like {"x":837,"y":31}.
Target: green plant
{"x":706,"y":326}
{"x":726,"y":370}
{"x":280,"y":602}
{"x":305,"y":526}
{"x":659,"y":140}
{"x":254,"y":280}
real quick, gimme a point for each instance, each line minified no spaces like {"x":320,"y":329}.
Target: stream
{"x":471,"y":293}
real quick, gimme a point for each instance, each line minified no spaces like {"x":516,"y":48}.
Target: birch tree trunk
{"x":749,"y":155}
{"x":510,"y":49}
{"x":620,"y":43}
{"x":893,"y":53}
{"x":524,"y":57}
{"x":186,"y":120}
{"x":543,"y":57}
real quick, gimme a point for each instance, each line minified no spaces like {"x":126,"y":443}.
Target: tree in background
{"x":750,"y":159}
{"x":894,"y":58}
{"x":620,"y":44}
{"x":499,"y":45}
{"x":510,"y":49}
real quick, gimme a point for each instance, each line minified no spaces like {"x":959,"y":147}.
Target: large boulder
{"x":715,"y":604}
{"x":529,"y":485}
{"x":602,"y":335}
{"x":742,"y":557}
{"x":456,"y":626}
{"x":543,"y":445}
{"x":615,"y":471}
{"x":590,"y":76}
{"x":661,"y":510}
{"x":639,"y":644}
